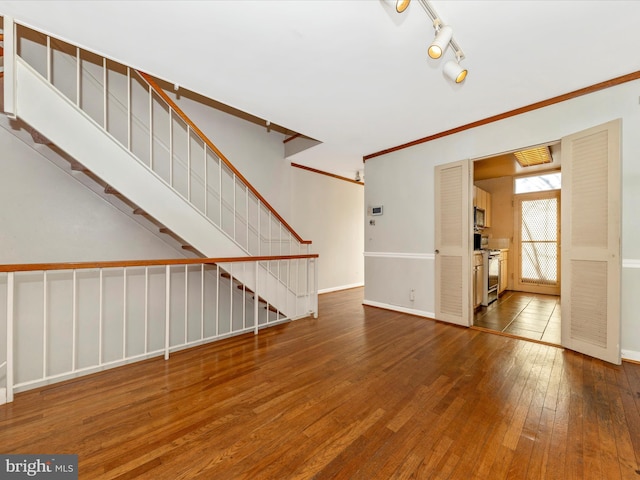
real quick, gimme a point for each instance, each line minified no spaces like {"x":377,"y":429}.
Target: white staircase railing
{"x":128,"y":132}
{"x":66,"y":320}
{"x":131,"y":108}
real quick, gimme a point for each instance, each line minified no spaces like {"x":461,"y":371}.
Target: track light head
{"x":441,"y":42}
{"x":401,"y":5}
{"x":454,"y":71}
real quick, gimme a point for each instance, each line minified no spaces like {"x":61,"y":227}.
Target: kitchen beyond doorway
{"x":527,"y":315}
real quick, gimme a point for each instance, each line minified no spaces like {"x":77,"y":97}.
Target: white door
{"x":452,"y":237}
{"x":537,"y":242}
{"x":591,"y":263}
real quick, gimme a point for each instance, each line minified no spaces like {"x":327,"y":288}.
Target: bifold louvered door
{"x":591,"y":264}
{"x":452,"y":261}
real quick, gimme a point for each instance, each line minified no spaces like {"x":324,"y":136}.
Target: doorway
{"x":537,"y":241}
{"x":525,"y":227}
{"x":591,"y":254}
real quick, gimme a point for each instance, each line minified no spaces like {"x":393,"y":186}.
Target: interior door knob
{"x":437,"y":251}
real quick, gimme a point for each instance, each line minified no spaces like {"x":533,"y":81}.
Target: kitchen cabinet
{"x":504,"y":271}
{"x":487,"y":209}
{"x":478,"y":274}
{"x":482,"y":199}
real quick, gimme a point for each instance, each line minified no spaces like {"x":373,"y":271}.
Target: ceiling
{"x":354,"y":74}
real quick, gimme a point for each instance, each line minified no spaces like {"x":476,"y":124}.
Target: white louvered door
{"x":452,"y":236}
{"x":591,"y":264}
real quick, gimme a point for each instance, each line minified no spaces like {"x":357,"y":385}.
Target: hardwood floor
{"x":359,"y":393}
{"x":526,"y":315}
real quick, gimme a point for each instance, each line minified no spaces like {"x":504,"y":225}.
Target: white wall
{"x":48,"y":216}
{"x":257,"y":154}
{"x":329,"y":211}
{"x":320,"y":208}
{"x":403,"y":182}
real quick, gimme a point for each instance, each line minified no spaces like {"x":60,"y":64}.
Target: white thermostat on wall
{"x":375,"y":210}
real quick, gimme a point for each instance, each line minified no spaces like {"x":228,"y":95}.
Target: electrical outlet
{"x":412,"y":295}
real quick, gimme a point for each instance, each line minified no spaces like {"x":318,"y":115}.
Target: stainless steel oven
{"x":491,"y":277}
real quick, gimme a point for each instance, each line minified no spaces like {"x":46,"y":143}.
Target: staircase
{"x":124,"y":136}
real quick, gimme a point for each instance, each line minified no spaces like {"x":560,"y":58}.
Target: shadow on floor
{"x":527,"y":315}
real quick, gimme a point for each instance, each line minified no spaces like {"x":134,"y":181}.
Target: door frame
{"x":613,"y":353}
{"x":517,"y":242}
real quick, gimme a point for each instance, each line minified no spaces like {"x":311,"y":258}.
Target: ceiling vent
{"x":534,"y":156}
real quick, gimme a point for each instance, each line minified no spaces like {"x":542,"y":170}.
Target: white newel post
{"x":167,"y":330}
{"x":10,"y":321}
{"x":315,"y":287}
{"x":9,"y":45}
{"x":308,"y":293}
{"x":255,"y":303}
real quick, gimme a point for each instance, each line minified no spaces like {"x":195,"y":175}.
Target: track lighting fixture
{"x":401,"y":5}
{"x":441,"y":42}
{"x":444,"y":37}
{"x":454,"y":71}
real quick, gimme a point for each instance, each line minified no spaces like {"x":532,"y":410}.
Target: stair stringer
{"x":53,"y":115}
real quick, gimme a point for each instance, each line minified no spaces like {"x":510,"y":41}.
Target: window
{"x":538,"y":183}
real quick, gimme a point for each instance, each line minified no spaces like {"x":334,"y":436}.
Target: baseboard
{"x":342,"y":287}
{"x":3,"y":396}
{"x":397,"y":308}
{"x":630,"y":355}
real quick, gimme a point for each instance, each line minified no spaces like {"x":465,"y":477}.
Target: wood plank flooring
{"x":527,"y":315}
{"x":358,"y":393}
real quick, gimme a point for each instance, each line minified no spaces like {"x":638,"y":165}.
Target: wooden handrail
{"x":304,"y":167}
{"x":152,"y":83}
{"x":32,"y":267}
